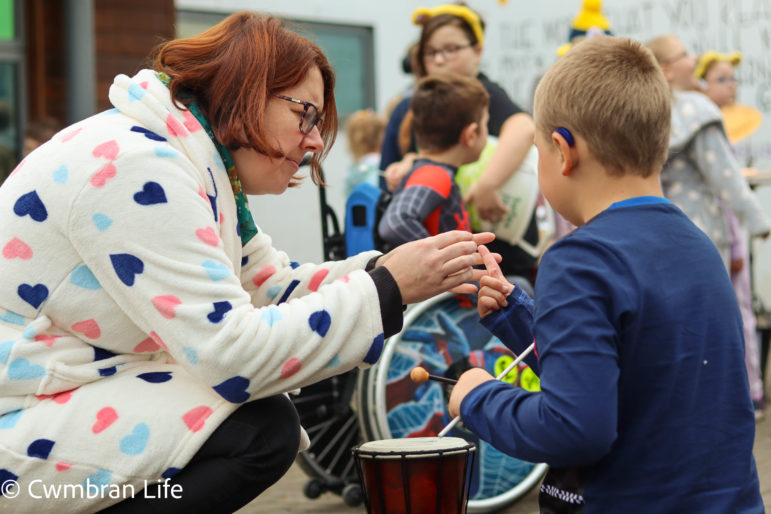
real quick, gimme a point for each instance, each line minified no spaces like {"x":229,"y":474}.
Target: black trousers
{"x":250,"y":451}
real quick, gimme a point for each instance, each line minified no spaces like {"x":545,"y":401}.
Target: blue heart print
{"x":33,"y":295}
{"x":61,"y":174}
{"x":135,"y":442}
{"x":30,"y":204}
{"x":22,"y":369}
{"x":127,"y":267}
{"x":152,"y":193}
{"x":102,"y":221}
{"x":220,"y":308}
{"x":149,"y":134}
{"x":320,"y":322}
{"x":216,"y":270}
{"x":234,"y":389}
{"x":5,"y":350}
{"x":83,"y":277}
{"x":156,"y":377}
{"x":40,"y":448}
{"x":9,"y":420}
{"x":99,"y":479}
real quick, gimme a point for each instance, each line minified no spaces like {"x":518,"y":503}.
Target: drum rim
{"x":466,"y":449}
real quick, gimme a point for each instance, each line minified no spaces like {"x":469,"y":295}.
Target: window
{"x":11,"y":103}
{"x":349,"y":49}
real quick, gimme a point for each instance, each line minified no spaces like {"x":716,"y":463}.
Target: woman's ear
{"x":568,"y":154}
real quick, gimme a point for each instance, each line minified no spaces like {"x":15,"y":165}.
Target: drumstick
{"x":503,"y":373}
{"x":420,"y":375}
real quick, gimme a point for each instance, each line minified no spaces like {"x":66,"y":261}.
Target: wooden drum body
{"x":417,"y":475}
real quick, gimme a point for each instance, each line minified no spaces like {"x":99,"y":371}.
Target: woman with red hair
{"x":148,"y":328}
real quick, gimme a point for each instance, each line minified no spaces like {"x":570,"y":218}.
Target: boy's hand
{"x":493,"y":287}
{"x":467,"y":381}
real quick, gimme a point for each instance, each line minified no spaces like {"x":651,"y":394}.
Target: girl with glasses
{"x":452,"y":41}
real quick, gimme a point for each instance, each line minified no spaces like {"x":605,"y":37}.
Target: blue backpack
{"x":363,"y":210}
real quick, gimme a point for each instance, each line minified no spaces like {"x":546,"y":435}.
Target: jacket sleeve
{"x":513,"y":325}
{"x":161,"y":265}
{"x":425,"y":189}
{"x":713,"y":155}
{"x":572,"y":420}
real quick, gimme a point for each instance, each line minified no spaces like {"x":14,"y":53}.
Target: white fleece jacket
{"x":132,"y":321}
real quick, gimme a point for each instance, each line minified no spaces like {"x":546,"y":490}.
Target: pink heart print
{"x":16,"y":248}
{"x":103,"y":175}
{"x":63,"y":466}
{"x":104,"y":418}
{"x":148,"y":345}
{"x":89,"y":328}
{"x":166,"y":305}
{"x":208,"y":235}
{"x":195,"y":418}
{"x":108,"y":150}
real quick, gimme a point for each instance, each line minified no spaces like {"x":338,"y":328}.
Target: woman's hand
{"x":396,"y":171}
{"x":493,"y":287}
{"x":487,"y":201}
{"x":426,"y":267}
{"x":467,"y":381}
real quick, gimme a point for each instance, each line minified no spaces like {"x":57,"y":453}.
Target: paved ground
{"x":287,"y":496}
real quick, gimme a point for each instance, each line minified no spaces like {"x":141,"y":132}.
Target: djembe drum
{"x":419,"y":475}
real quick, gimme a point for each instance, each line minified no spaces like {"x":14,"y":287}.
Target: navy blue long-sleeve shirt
{"x":640,"y":355}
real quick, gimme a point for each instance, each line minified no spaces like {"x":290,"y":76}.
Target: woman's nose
{"x":312,"y":141}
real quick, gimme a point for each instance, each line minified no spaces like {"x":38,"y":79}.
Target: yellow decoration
{"x":422,"y":14}
{"x":591,"y":16}
{"x":740,"y":121}
{"x":707,"y":59}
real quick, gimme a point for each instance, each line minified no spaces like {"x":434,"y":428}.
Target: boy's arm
{"x":573,"y":419}
{"x":406,"y":217}
{"x":714,"y":157}
{"x":514,"y":142}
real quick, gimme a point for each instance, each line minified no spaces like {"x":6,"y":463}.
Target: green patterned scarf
{"x":245,"y":221}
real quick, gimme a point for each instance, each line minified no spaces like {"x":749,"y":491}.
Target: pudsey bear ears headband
{"x":422,"y":14}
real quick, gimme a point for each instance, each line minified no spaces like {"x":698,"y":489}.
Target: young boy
{"x":637,"y":332}
{"x":450,"y":124}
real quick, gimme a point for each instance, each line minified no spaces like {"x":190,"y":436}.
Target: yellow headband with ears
{"x":422,"y":14}
{"x":707,"y":59}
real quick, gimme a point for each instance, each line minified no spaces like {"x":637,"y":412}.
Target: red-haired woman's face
{"x":260,"y":174}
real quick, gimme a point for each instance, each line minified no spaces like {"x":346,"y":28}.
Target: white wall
{"x":521,"y":39}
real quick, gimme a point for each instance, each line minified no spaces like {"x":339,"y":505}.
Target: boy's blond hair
{"x":364,"y":130}
{"x":611,"y":92}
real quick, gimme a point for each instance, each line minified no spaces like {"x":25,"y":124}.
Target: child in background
{"x":715,"y":72}
{"x":450,"y":125}
{"x":364,"y":130}
{"x":637,"y":331}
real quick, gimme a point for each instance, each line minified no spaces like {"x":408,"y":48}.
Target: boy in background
{"x":637,"y":331}
{"x":450,"y":125}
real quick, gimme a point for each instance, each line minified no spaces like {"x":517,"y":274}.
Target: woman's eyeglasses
{"x":310,"y":117}
{"x":447,"y":52}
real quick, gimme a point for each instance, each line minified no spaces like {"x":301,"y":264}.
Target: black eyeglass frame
{"x":447,"y":53}
{"x":311,"y":116}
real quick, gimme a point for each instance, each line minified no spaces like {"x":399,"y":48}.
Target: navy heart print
{"x":40,"y":448}
{"x":152,"y":193}
{"x":127,"y":267}
{"x":149,"y":134}
{"x":234,"y":389}
{"x":33,"y":295}
{"x":220,"y":308}
{"x":31,"y":204}
{"x":156,"y":377}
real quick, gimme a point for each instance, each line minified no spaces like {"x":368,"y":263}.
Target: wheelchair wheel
{"x":332,"y":425}
{"x":443,"y":335}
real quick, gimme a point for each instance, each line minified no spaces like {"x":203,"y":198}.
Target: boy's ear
{"x":469,"y":134}
{"x":568,"y":154}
